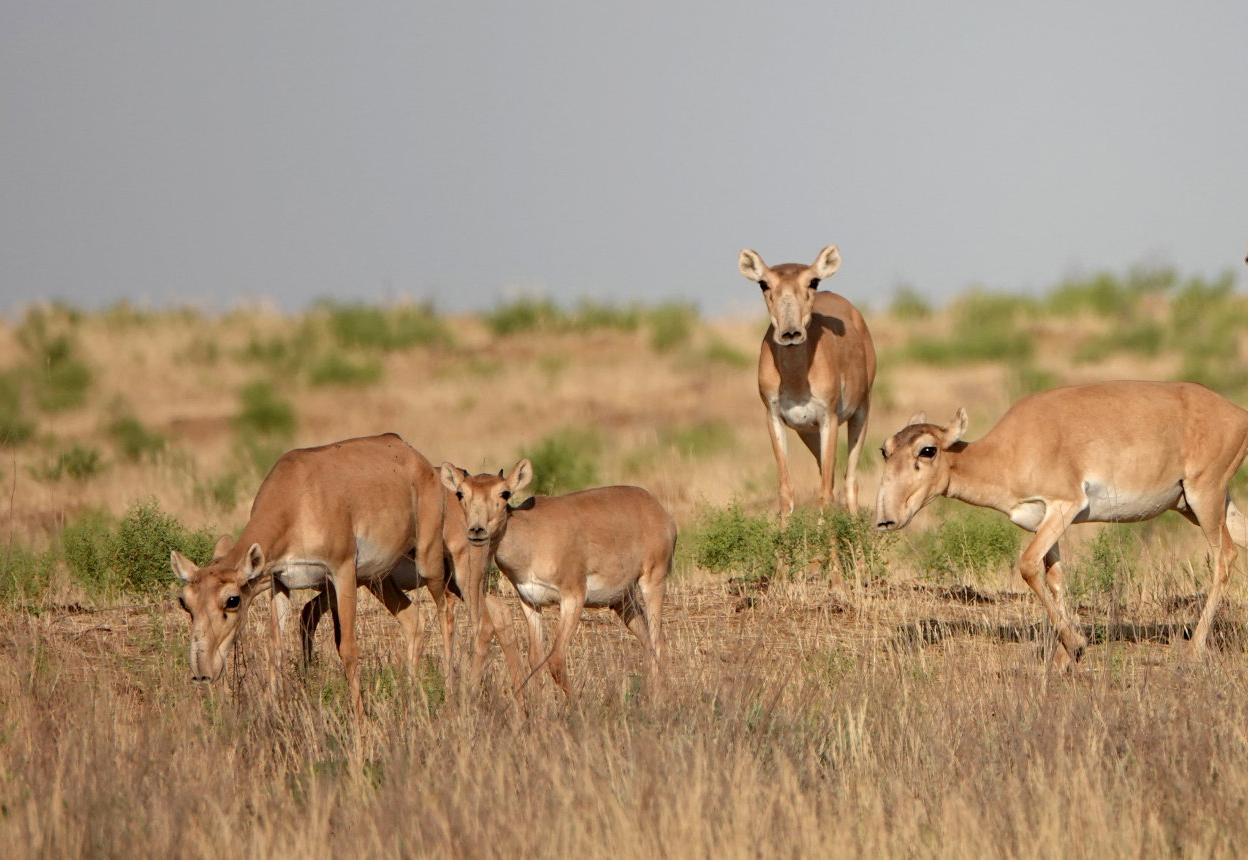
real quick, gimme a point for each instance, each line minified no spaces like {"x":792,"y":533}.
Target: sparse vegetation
{"x":913,"y":714}
{"x":564,"y":462}
{"x":969,"y":543}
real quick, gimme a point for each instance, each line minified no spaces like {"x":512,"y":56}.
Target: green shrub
{"x":971,"y":543}
{"x":590,"y":315}
{"x":1106,"y":295}
{"x":15,"y":428}
{"x":338,"y":369}
{"x":84,"y":546}
{"x":368,"y":327}
{"x":60,"y":379}
{"x":670,"y":323}
{"x":565,"y":461}
{"x":728,"y":540}
{"x":265,"y":424}
{"x":987,"y":327}
{"x":133,"y":440}
{"x":908,"y":304}
{"x":699,"y":440}
{"x":525,"y":315}
{"x":1107,"y":565}
{"x":79,"y":463}
{"x":25,"y":576}
{"x":1144,"y":338}
{"x":719,"y":352}
{"x":137,"y":551}
{"x":221,"y":491}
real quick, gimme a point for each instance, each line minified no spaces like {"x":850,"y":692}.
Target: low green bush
{"x":338,"y":369}
{"x":15,"y":427}
{"x":970,"y":543}
{"x":670,"y":324}
{"x":265,"y":424}
{"x":131,"y":555}
{"x":25,"y":575}
{"x":79,"y":463}
{"x":134,"y":441}
{"x":565,"y":461}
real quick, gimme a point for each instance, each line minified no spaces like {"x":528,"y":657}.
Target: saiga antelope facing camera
{"x":610,"y":546}
{"x":342,"y":515}
{"x":1106,"y":452}
{"x":816,"y":367}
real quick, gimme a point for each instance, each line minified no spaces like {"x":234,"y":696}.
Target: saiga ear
{"x":957,"y":426}
{"x":183,"y":567}
{"x":828,"y":261}
{"x":253,"y":563}
{"x":225,"y":543}
{"x":520,"y":476}
{"x":919,"y":417}
{"x":752,"y":265}
{"x":452,"y":476}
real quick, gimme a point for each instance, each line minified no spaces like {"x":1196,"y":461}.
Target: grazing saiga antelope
{"x":1107,"y":452}
{"x":816,"y":367}
{"x":459,"y":557}
{"x":610,"y":546}
{"x":343,"y":515}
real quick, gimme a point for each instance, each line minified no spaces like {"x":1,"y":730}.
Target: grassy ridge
{"x":904,"y":711}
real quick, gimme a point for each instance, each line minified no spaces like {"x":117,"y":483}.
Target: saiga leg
{"x":780,"y":449}
{"x":856,"y":428}
{"x":1032,"y":566}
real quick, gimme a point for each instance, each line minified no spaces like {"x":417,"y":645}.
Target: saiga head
{"x":789,"y":290}
{"x":485,"y":498}
{"x":216,"y":597}
{"x":916,"y":468}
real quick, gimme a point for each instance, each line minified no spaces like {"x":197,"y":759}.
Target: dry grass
{"x":905,"y":716}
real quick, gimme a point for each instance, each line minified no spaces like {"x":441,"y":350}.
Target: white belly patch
{"x":807,"y":414}
{"x":1108,"y":504}
{"x":537,"y":593}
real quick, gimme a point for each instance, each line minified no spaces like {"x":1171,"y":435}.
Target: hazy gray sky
{"x":463,"y":151}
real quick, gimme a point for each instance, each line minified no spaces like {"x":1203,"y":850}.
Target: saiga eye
{"x":928,"y":452}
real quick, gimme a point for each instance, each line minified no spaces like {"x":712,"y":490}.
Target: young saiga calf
{"x":341,"y":515}
{"x":607,"y":547}
{"x":1107,"y":452}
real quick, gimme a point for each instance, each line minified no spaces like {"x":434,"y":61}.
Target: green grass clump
{"x":1107,"y":566}
{"x":79,"y":463}
{"x":1107,"y":295}
{"x":25,"y":575}
{"x":909,"y":305}
{"x":134,"y":441}
{"x":525,"y":315}
{"x":972,"y":543}
{"x":15,"y":428}
{"x":987,"y":327}
{"x":337,"y":369}
{"x":670,"y":324}
{"x":754,"y":546}
{"x":702,"y":439}
{"x":265,"y":424}
{"x":368,"y":327}
{"x":728,"y":540}
{"x":132,"y":555}
{"x":565,"y":461}
{"x":60,"y":378}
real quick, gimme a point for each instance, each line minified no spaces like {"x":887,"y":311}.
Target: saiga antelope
{"x":1107,"y":452}
{"x":816,"y":367}
{"x":463,"y":570}
{"x":610,"y":546}
{"x":345,"y":514}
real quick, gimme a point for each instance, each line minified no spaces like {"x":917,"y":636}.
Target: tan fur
{"x":1106,"y":452}
{"x":607,"y":547}
{"x":816,"y":367}
{"x":318,"y":515}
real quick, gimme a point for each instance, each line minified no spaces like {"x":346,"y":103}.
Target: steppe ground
{"x":909,"y":711}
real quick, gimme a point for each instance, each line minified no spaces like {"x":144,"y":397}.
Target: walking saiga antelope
{"x":345,"y":514}
{"x":816,"y":367}
{"x":464,"y":571}
{"x":610,"y":546}
{"x":1108,"y":452}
